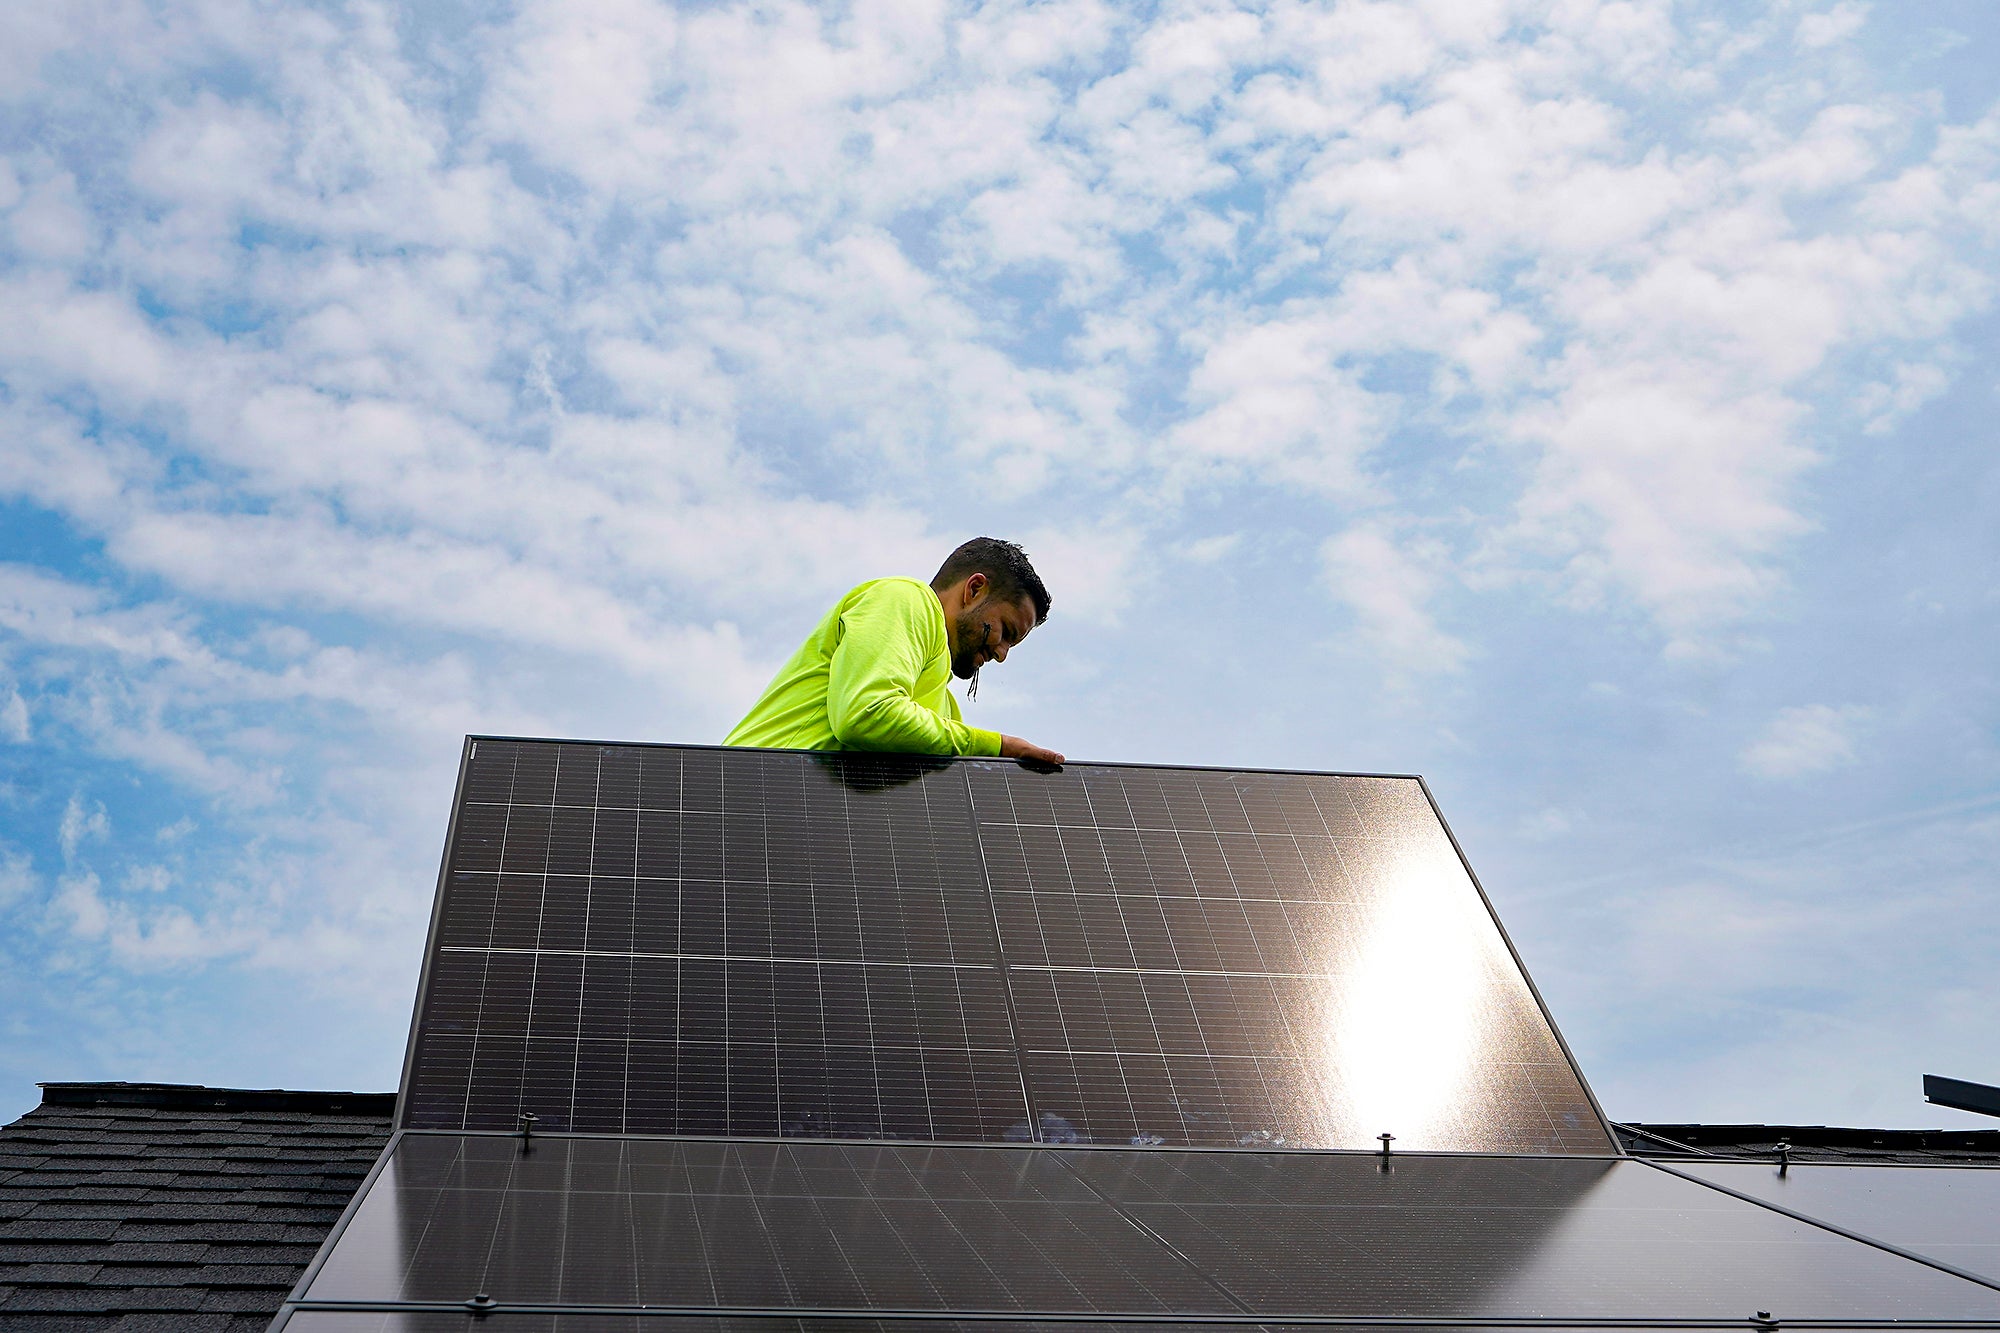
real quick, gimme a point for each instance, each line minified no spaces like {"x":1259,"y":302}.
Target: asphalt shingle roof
{"x":164,"y":1208}
{"x":1815,"y":1143}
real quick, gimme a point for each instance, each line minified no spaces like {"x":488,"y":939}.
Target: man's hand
{"x":1013,"y":747}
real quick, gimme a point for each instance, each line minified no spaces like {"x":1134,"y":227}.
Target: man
{"x":875,"y":674}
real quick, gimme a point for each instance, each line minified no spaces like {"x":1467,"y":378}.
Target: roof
{"x":1814,"y":1143}
{"x":171,"y":1208}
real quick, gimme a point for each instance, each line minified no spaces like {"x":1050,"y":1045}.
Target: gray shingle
{"x":57,"y":1323}
{"x":148,"y":1209}
{"x":25,"y":1275}
{"x":51,"y":1228}
{"x":173,"y":1323}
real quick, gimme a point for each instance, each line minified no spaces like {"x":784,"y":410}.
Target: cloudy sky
{"x":1590,"y":406}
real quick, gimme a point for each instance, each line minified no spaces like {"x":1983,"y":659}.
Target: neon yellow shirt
{"x":874,"y":675}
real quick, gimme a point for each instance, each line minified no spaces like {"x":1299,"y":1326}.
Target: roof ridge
{"x":196,"y":1096}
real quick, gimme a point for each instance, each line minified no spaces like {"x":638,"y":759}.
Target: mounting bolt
{"x":527,"y":1124}
{"x":1386,"y":1139}
{"x":481,"y":1305}
{"x":1762,"y":1319}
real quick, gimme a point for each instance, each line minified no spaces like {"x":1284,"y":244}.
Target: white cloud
{"x":1209,"y":550}
{"x":18,"y":880}
{"x":81,"y":823}
{"x":1389,"y":586}
{"x":14,"y":722}
{"x":1811,"y":738}
{"x":1837,"y":24}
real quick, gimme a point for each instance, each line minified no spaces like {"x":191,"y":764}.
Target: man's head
{"x":992,"y":597}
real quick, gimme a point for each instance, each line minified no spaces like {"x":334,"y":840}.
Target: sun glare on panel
{"x":1402,"y":1031}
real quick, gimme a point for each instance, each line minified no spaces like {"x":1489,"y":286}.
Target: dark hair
{"x":1005,"y":566}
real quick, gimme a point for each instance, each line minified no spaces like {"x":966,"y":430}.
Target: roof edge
{"x":1704,"y":1138}
{"x":198,"y":1097}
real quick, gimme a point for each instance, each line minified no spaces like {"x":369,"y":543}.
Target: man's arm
{"x":883,"y":650}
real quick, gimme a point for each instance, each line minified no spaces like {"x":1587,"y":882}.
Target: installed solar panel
{"x":660,"y":939}
{"x":685,"y":940}
{"x":720,"y":1225}
{"x":1947,"y":1213}
{"x":748,"y":1224}
{"x":1255,"y":959}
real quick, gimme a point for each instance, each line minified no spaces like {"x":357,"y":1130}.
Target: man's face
{"x":988,"y":629}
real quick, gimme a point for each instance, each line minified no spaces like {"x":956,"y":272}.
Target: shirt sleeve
{"x":885,"y":644}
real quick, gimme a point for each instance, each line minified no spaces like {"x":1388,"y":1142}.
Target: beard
{"x":970,"y":632}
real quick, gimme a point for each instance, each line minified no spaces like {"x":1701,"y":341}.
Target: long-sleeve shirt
{"x":873,"y":675}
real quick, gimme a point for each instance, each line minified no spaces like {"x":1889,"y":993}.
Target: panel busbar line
{"x":669,"y":939}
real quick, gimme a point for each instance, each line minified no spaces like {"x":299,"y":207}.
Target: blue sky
{"x":1590,"y":406}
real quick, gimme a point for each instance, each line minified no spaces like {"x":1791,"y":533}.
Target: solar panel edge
{"x":1527,"y":977}
{"x":706,"y":748}
{"x":467,"y":749}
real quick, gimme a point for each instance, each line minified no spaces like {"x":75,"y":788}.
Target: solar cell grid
{"x":640,"y":940}
{"x":665,"y":939}
{"x":1190,"y":955}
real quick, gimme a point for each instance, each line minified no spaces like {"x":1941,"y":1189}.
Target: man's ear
{"x":975,"y":584}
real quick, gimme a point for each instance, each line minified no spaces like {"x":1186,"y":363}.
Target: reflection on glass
{"x":1404,"y":1024}
{"x":1264,"y":960}
{"x":770,"y":943}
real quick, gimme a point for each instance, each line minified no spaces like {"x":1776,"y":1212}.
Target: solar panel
{"x":744,"y":1226}
{"x":747,"y":1224}
{"x":665,"y":939}
{"x":1950,"y":1214}
{"x":1261,"y":959}
{"x":636,"y":939}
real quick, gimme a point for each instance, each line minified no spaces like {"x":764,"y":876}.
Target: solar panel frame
{"x":630,"y":772}
{"x":404,"y":1319}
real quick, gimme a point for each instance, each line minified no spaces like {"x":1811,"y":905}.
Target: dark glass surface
{"x":654,"y":940}
{"x":840,"y":1226}
{"x":1947,"y":1213}
{"x":1261,"y":959}
{"x":748,"y":1224}
{"x":1494,"y":1237}
{"x":673,"y":940}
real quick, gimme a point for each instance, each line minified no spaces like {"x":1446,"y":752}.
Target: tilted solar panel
{"x":1258,"y":959}
{"x":662,"y":939}
{"x":667,"y":939}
